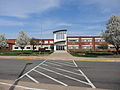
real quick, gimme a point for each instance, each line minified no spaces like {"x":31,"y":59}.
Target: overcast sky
{"x":79,"y":17}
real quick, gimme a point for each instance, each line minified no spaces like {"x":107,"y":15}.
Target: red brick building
{"x":62,"y":42}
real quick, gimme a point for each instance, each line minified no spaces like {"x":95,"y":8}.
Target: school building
{"x":62,"y":42}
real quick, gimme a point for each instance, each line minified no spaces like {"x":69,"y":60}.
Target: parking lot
{"x":67,"y":73}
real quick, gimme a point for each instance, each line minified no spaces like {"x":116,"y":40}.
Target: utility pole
{"x":41,"y":40}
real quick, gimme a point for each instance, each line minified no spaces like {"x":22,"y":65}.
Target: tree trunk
{"x":22,"y":49}
{"x":33,"y":47}
{"x":117,"y":50}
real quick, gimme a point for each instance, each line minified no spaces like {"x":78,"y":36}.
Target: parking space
{"x":65,"y":73}
{"x":58,"y":72}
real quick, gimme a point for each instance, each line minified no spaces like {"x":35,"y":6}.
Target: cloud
{"x":23,"y":8}
{"x":51,"y":24}
{"x":4,"y":22}
{"x":106,"y":6}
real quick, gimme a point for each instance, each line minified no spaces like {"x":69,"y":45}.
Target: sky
{"x":79,"y":17}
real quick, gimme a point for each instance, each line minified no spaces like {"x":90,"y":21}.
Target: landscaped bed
{"x":23,"y":53}
{"x":94,"y":54}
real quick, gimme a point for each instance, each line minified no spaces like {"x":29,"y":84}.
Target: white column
{"x":54,"y":47}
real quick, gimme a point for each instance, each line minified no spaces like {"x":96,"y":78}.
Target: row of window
{"x":60,"y":35}
{"x":86,"y":40}
{"x":86,"y":47}
{"x":29,"y":47}
{"x":46,"y":42}
{"x":24,"y":48}
{"x":77,"y":47}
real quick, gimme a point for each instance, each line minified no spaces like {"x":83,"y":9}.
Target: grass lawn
{"x":23,"y":53}
{"x":92,"y":53}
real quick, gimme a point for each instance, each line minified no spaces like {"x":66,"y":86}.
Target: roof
{"x":59,"y":30}
{"x":84,"y":36}
{"x":12,"y":41}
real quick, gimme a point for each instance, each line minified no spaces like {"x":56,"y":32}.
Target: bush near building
{"x":22,"y":53}
{"x":90,"y":53}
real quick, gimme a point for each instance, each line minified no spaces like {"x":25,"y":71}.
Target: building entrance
{"x":60,"y":47}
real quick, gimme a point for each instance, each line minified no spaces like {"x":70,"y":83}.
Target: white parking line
{"x":30,"y":71}
{"x":63,"y":64}
{"x":65,"y":70}
{"x":53,"y":64}
{"x":64,"y":75}
{"x":51,"y":78}
{"x":66,"y":62}
{"x":32,"y":78}
{"x":18,"y":86}
{"x":84,"y":75}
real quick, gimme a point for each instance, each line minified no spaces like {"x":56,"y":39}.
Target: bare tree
{"x":112,"y":34}
{"x":3,"y":41}
{"x":34,"y":42}
{"x":22,"y":40}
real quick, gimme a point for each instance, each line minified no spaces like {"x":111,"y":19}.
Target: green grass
{"x":22,"y":53}
{"x":82,"y":55}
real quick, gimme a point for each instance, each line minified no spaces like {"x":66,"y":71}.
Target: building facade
{"x":60,"y":38}
{"x":62,"y":42}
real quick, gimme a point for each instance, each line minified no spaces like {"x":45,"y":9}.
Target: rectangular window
{"x":73,"y":46}
{"x":46,"y":42}
{"x":86,"y":46}
{"x":111,"y":47}
{"x":73,"y":40}
{"x":99,"y":40}
{"x":51,"y":41}
{"x":15,"y":47}
{"x":27,"y":47}
{"x":60,"y":35}
{"x":34,"y":47}
{"x":86,"y":40}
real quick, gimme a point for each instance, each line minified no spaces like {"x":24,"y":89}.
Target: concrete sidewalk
{"x":62,"y":56}
{"x":6,"y":84}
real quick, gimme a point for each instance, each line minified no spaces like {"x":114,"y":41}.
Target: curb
{"x":59,"y":59}
{"x":6,"y":84}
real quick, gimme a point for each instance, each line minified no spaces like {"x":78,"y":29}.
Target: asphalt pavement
{"x":104,"y":75}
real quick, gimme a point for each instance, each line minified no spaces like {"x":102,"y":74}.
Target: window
{"x":27,"y":47}
{"x":34,"y":47}
{"x":111,"y":47}
{"x":73,"y":46}
{"x":99,"y":40}
{"x":73,"y":40}
{"x":86,"y":46}
{"x":96,"y":46}
{"x":60,"y":35}
{"x":15,"y":47}
{"x":41,"y":41}
{"x":51,"y":41}
{"x":46,"y":42}
{"x":86,"y":40}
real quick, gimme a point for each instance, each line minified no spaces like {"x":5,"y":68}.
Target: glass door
{"x":60,"y":47}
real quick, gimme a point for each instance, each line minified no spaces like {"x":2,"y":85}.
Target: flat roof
{"x":84,"y":36}
{"x":59,"y":30}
